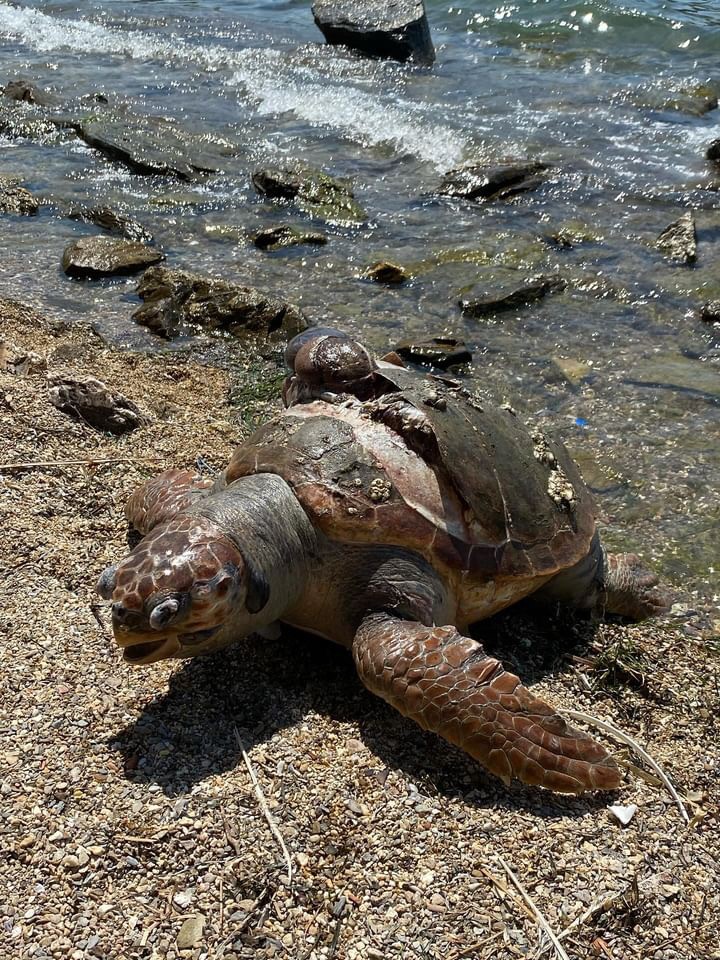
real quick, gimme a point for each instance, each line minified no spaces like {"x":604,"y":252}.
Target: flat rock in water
{"x":492,"y":181}
{"x":177,"y":302}
{"x":507,"y":297}
{"x":679,"y":240}
{"x":106,"y":257}
{"x":385,"y":271}
{"x":273,"y":238}
{"x":113,"y":222}
{"x":313,"y":191}
{"x":91,"y":400}
{"x":440,"y":352}
{"x":398,"y":30}
{"x":149,"y":145}
{"x":16,"y":199}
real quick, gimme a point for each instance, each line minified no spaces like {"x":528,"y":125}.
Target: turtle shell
{"x":426,"y":467}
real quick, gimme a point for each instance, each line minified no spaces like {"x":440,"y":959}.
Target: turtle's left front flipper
{"x":448,"y":684}
{"x":163,"y":497}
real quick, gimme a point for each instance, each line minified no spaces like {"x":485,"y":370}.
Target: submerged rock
{"x":148,"y":145}
{"x":91,"y":400}
{"x":313,"y":191}
{"x":510,"y":297}
{"x":27,"y":92}
{"x":398,"y":30}
{"x":113,"y":222}
{"x":273,"y":238}
{"x":710,"y":311}
{"x":679,"y":240}
{"x":492,"y":181}
{"x":177,"y":302}
{"x":106,"y":257}
{"x":15,"y":198}
{"x":440,"y":352}
{"x":385,"y":271}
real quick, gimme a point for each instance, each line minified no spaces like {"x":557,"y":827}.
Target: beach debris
{"x":190,"y":932}
{"x":398,"y":30}
{"x":623,"y":812}
{"x":20,"y":362}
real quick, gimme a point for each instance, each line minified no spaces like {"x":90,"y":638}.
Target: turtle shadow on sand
{"x":259,"y":687}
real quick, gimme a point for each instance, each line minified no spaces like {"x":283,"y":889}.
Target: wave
{"x":270,"y":81}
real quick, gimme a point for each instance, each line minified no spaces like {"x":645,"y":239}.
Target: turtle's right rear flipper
{"x":448,"y":684}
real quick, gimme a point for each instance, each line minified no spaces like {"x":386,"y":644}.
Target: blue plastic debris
{"x":580,"y":422}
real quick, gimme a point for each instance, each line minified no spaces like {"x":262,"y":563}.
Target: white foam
{"x":367,"y":118}
{"x":272,"y":83}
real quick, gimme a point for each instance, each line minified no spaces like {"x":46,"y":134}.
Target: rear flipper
{"x":609,"y":583}
{"x":163,"y":497}
{"x":448,"y":684}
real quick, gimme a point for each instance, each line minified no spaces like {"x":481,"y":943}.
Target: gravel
{"x":129,"y":824}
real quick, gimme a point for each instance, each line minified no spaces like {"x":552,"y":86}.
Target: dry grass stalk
{"x":264,"y":807}
{"x":92,"y":462}
{"x":542,"y":922}
{"x":628,"y":741}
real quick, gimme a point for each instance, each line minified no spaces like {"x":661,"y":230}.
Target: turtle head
{"x":185,"y":589}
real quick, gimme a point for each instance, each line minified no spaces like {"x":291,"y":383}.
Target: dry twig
{"x":628,"y":741}
{"x":264,"y":807}
{"x":542,"y":922}
{"x":92,"y":462}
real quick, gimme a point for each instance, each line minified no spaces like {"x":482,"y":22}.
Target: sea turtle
{"x":386,"y":510}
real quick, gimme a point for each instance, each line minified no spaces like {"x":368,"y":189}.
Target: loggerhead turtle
{"x":385,"y":510}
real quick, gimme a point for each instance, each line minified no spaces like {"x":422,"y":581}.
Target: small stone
{"x":385,"y":271}
{"x":713,"y":151}
{"x":710,"y":311}
{"x":190,"y":932}
{"x":274,"y":238}
{"x":679,"y":240}
{"x":16,"y":199}
{"x":70,"y":862}
{"x":92,"y":257}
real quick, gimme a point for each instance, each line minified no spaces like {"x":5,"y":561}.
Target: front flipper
{"x":163,"y":497}
{"x":448,"y":684}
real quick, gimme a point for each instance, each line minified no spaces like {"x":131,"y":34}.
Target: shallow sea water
{"x":604,"y":91}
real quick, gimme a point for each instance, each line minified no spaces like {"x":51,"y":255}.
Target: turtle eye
{"x":106,"y":583}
